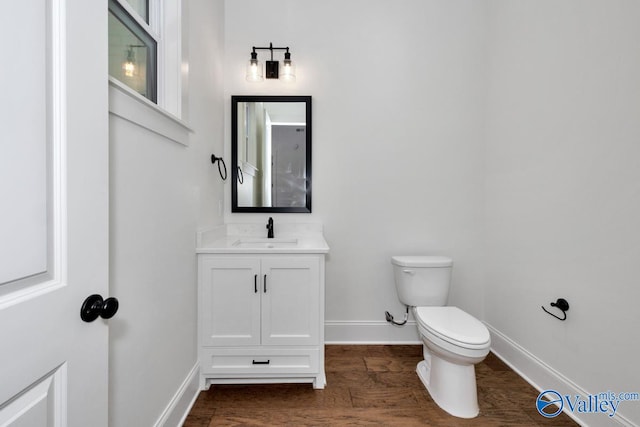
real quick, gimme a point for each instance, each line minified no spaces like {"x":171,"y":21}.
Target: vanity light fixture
{"x":129,"y":66}
{"x":254,"y":70}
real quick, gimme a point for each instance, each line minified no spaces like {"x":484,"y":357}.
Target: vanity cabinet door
{"x":291,"y":301}
{"x":229,"y":301}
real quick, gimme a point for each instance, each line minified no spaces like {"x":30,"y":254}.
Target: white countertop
{"x":252,"y":239}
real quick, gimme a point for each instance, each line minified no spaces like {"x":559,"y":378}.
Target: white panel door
{"x":54,"y":212}
{"x":290,"y":301}
{"x":229,"y":301}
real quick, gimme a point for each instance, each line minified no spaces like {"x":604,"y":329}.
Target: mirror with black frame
{"x":271,"y":154}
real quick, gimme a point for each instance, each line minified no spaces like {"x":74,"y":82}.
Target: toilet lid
{"x":422,"y":261}
{"x":453,"y":325}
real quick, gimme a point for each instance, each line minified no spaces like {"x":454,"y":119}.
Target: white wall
{"x":501,"y":133}
{"x":563,"y":187}
{"x":398,"y":96}
{"x":161,"y":193}
{"x":206,"y":106}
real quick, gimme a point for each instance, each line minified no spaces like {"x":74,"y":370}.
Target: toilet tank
{"x":422,"y":280}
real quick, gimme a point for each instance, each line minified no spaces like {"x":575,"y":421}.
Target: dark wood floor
{"x":370,"y":385}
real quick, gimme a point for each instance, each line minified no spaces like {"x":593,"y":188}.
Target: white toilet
{"x":454,"y":341}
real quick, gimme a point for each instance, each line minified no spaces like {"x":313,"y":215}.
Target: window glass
{"x":132,"y":53}
{"x":142,"y":7}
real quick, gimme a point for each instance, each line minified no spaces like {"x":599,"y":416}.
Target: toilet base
{"x":451,"y":386}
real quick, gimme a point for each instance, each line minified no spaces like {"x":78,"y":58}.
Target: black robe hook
{"x":561,"y":304}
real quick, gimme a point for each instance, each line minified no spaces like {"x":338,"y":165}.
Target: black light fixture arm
{"x":270,"y":48}
{"x":131,"y":55}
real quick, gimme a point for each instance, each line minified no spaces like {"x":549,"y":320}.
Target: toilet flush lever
{"x":411,"y":272}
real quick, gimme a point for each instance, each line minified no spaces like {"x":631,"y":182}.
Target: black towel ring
{"x":220,"y":161}
{"x":240,"y":175}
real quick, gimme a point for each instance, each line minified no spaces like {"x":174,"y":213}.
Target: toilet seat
{"x":454,"y":326}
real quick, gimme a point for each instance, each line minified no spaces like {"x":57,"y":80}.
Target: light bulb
{"x":288,"y":69}
{"x":254,"y":70}
{"x":129,"y":68}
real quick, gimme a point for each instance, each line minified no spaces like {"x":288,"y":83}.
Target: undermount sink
{"x":263,"y":242}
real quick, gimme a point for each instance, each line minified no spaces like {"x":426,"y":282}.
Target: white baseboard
{"x":369,"y":332}
{"x":544,"y":377}
{"x":176,"y":412}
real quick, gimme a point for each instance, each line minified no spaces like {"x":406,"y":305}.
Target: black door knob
{"x":94,"y":306}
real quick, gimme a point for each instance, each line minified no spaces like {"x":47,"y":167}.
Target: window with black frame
{"x":133,"y":47}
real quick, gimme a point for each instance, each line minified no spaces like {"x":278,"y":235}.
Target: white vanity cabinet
{"x":261,"y":318}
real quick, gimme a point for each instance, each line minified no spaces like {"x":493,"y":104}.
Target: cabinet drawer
{"x":231,"y":361}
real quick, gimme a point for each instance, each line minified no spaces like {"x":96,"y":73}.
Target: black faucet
{"x":270,"y":228}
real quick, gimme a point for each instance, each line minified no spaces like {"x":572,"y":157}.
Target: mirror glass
{"x":271,"y":153}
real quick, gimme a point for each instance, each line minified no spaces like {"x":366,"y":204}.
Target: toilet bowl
{"x":453,"y":341}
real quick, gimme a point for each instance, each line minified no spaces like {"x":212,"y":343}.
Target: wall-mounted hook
{"x":560,"y":304}
{"x":220,"y":161}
